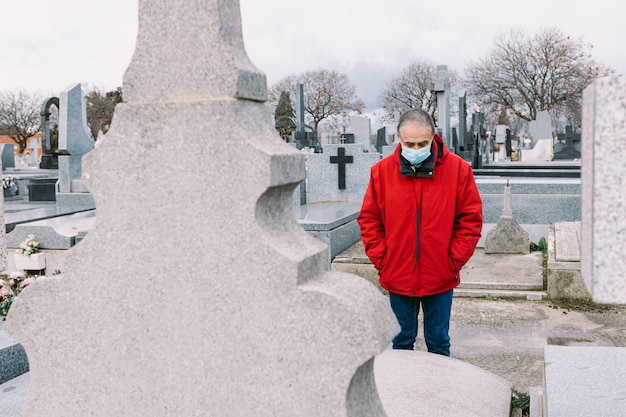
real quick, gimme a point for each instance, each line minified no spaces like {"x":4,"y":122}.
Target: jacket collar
{"x":426,"y":168}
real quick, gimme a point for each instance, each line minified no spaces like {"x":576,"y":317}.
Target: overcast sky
{"x":48,"y":45}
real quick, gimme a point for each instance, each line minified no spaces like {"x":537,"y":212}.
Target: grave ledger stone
{"x":216,"y":305}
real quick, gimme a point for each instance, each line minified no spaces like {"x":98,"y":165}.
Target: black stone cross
{"x":341,"y":160}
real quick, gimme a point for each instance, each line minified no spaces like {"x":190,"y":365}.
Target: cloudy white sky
{"x":48,"y":45}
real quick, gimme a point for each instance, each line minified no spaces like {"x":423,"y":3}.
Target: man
{"x":420,"y":222}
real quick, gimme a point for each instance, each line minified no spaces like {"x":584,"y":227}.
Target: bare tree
{"x":411,"y":89}
{"x":524,"y":73}
{"x":327,"y":95}
{"x":20,"y":117}
{"x":99,"y":109}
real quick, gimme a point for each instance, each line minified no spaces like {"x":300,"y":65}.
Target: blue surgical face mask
{"x":416,"y":156}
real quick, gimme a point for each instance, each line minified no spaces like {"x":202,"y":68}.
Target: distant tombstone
{"x":442,"y":89}
{"x":347,"y":138}
{"x":49,"y":160}
{"x":542,"y":147}
{"x":74,"y":140}
{"x":509,"y":143}
{"x":541,"y":127}
{"x":8,"y":155}
{"x":361,"y":128}
{"x":462,"y":131}
{"x":338,"y":166}
{"x":568,"y":146}
{"x":500,"y":141}
{"x":388,"y":150}
{"x":477,"y":132}
{"x":258,"y":325}
{"x":381,"y":139}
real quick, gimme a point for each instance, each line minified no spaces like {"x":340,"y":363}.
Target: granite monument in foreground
{"x":240,"y":317}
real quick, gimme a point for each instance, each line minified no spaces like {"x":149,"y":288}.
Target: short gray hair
{"x":418,"y":116}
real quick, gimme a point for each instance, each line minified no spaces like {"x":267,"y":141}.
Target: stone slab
{"x":13,"y":358}
{"x":412,"y":383}
{"x":326,"y":216}
{"x":338,"y":239}
{"x":567,"y":241}
{"x":27,"y":213}
{"x":13,"y":395}
{"x":583,"y":381}
{"x":53,"y":233}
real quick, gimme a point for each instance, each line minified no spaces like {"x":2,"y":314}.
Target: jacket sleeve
{"x":370,"y":220}
{"x":468,"y":220}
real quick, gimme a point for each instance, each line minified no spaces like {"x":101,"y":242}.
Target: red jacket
{"x":419,"y":230}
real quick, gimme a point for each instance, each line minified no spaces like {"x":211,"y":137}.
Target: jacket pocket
{"x":382,"y":260}
{"x":452,"y":267}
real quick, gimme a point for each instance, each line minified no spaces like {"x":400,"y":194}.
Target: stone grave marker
{"x":8,"y":155}
{"x":74,"y":142}
{"x":507,"y":236}
{"x":361,"y":127}
{"x":339,"y":173}
{"x":442,"y":89}
{"x":541,"y":131}
{"x":381,"y":139}
{"x":48,"y":159}
{"x":218,"y":304}
{"x":569,"y":144}
{"x":603,"y":177}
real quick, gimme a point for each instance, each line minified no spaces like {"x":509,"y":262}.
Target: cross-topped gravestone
{"x":566,"y":149}
{"x":339,"y":173}
{"x":341,"y":160}
{"x":216,"y":305}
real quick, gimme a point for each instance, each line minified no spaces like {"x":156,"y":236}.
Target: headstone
{"x":74,"y":138}
{"x":541,"y":148}
{"x":442,"y":88}
{"x":500,"y":142}
{"x":48,"y":158}
{"x":541,"y":127}
{"x":568,"y":146}
{"x":507,"y":236}
{"x":360,"y":126}
{"x":603,"y":183}
{"x":477,"y":132}
{"x":8,"y":155}
{"x":218,"y":304}
{"x":381,"y":139}
{"x":464,"y":142}
{"x":330,"y":179}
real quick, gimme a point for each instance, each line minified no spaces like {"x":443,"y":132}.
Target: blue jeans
{"x":436,"y":309}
